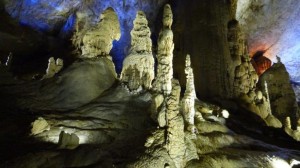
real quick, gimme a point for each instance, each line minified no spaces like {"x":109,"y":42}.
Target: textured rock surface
{"x":282,"y":96}
{"x":199,"y":26}
{"x":245,"y":77}
{"x":273,"y":26}
{"x":60,"y":16}
{"x":113,"y":128}
{"x":68,"y":141}
{"x":53,"y":67}
{"x":163,"y":80}
{"x":175,"y":130}
{"x":97,"y":40}
{"x":188,"y":100}
{"x":74,"y":87}
{"x":138,"y":66}
{"x":39,"y":125}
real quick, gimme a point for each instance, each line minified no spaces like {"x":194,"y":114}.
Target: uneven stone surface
{"x":97,"y":40}
{"x":175,"y":131}
{"x":282,"y":96}
{"x":53,"y":67}
{"x":188,"y":100}
{"x":245,"y":88}
{"x":199,"y":26}
{"x":138,"y":66}
{"x":245,"y":77}
{"x":39,"y":125}
{"x":74,"y":87}
{"x":273,"y":27}
{"x":163,"y":80}
{"x":68,"y":141}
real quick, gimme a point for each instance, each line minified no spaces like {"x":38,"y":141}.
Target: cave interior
{"x":149,"y":83}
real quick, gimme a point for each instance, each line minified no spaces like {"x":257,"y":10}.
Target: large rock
{"x":79,"y":84}
{"x":39,"y":125}
{"x":281,"y":93}
{"x":68,"y":141}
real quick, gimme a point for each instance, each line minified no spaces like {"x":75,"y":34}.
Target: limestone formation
{"x":39,"y":125}
{"x":68,"y":141}
{"x":175,"y":130}
{"x":188,"y":100}
{"x":236,"y":42}
{"x":281,"y":94}
{"x":138,"y":66}
{"x":294,"y":133}
{"x":97,"y":40}
{"x":163,"y":80}
{"x":53,"y":67}
{"x":246,"y":78}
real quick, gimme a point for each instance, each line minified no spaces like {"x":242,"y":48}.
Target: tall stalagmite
{"x":188,"y":101}
{"x":163,"y":80}
{"x":138,"y":66}
{"x":175,"y":129}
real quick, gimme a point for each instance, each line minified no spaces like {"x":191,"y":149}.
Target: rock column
{"x":163,"y":80}
{"x":188,"y":101}
{"x":138,"y":66}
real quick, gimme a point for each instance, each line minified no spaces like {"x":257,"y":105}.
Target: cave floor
{"x":113,"y":129}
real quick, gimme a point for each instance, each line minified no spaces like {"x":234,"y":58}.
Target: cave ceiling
{"x":269,"y":25}
{"x":274,"y":27}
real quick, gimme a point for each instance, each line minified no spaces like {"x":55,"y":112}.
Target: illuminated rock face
{"x":60,"y":17}
{"x":245,"y":77}
{"x":97,"y":40}
{"x":53,"y":67}
{"x":163,"y":80}
{"x":175,"y":131}
{"x":245,"y":90}
{"x":188,"y":100}
{"x":138,"y":66}
{"x":273,"y":27}
{"x":282,"y":96}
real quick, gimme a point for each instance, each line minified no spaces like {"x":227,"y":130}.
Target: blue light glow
{"x":69,"y":25}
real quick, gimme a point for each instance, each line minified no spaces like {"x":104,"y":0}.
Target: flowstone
{"x":138,"y":66}
{"x":163,"y":80}
{"x":97,"y":40}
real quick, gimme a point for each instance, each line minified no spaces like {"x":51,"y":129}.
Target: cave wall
{"x":274,"y":26}
{"x":57,"y":17}
{"x":200,"y":29}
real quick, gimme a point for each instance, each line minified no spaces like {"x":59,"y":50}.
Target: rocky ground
{"x":112,"y":131}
